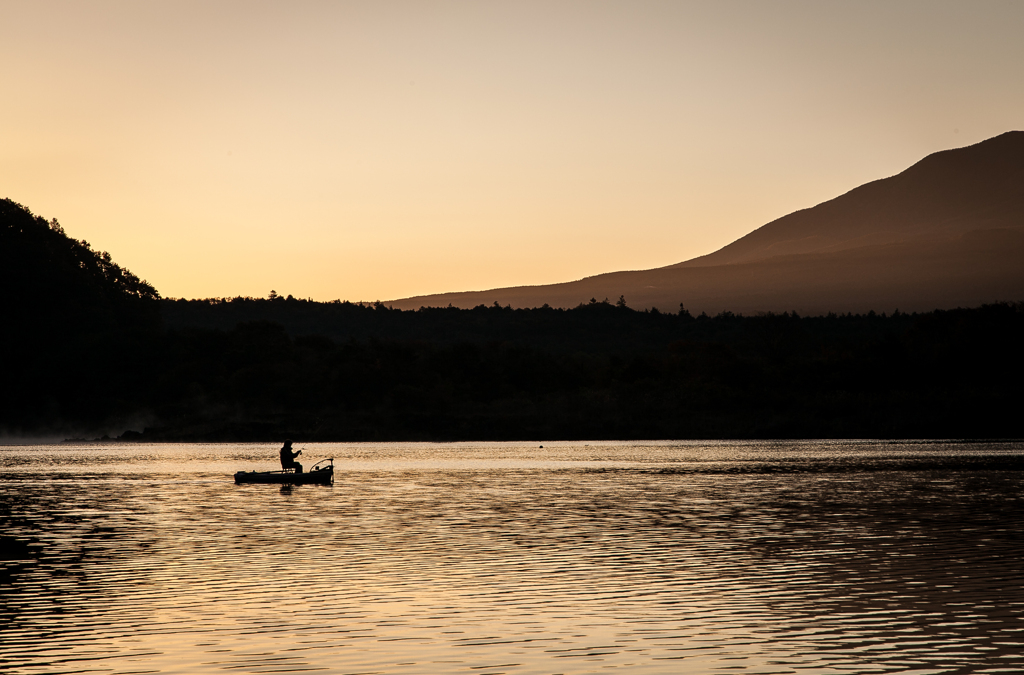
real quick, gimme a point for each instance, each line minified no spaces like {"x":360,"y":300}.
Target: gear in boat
{"x":322,"y":473}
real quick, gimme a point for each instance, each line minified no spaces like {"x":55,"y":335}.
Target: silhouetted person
{"x":288,"y":458}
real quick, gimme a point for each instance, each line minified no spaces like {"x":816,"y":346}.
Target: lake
{"x":486,"y":558}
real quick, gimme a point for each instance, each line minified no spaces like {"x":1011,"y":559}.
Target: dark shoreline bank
{"x":94,"y":352}
{"x":597,"y":372}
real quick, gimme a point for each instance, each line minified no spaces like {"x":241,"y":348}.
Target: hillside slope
{"x":947,"y":232}
{"x":78,"y":328}
{"x":942,"y":196}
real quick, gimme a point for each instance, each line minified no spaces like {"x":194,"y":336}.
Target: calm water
{"x":807,"y":557}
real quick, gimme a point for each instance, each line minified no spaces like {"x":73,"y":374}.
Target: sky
{"x":378,"y":150}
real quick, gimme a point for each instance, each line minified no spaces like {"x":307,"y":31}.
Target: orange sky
{"x":376,"y":150}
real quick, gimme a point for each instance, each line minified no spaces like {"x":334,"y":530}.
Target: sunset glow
{"x":363,"y":150}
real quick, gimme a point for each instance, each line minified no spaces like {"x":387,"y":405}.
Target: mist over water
{"x":837,"y":557}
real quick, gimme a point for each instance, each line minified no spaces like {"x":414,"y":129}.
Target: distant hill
{"x":92,"y":351}
{"x":49,"y":276}
{"x":947,"y":232}
{"x":77,"y":327}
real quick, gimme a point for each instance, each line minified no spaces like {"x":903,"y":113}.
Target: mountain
{"x":77,"y":327}
{"x":92,"y":350}
{"x":946,"y":232}
{"x":57,"y":287}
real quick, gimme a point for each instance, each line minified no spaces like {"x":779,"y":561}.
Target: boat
{"x":318,"y":475}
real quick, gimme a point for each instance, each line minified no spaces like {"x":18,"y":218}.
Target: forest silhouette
{"x":93,"y":350}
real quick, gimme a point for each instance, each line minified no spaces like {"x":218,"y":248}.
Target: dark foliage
{"x":77,"y":328}
{"x":85,"y":350}
{"x":596,"y":371}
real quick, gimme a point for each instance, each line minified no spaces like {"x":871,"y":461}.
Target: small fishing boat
{"x":318,"y":475}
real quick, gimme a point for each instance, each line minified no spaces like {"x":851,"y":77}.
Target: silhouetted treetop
{"x":79,"y":330}
{"x":39,"y":258}
{"x":91,"y":346}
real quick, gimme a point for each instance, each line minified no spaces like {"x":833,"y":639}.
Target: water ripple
{"x":656,"y":558}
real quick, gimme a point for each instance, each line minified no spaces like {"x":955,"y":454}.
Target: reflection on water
{"x":655,"y":558}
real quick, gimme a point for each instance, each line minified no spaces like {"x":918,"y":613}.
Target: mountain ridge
{"x":942,"y":192}
{"x":923,"y":212}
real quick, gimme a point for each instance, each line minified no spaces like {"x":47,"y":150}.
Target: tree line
{"x":94,"y":350}
{"x":597,"y":371}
